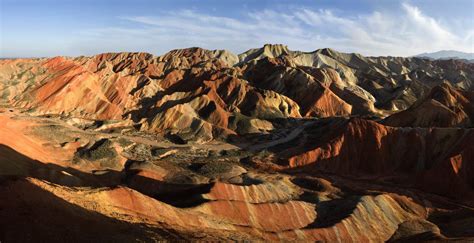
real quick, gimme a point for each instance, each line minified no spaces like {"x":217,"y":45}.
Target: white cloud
{"x":408,"y":32}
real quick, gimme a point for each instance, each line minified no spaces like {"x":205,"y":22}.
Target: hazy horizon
{"x":159,"y":54}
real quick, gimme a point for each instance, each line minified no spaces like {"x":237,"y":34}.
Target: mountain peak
{"x":276,"y":47}
{"x":268,"y":50}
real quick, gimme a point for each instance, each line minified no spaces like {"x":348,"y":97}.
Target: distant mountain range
{"x":448,"y":54}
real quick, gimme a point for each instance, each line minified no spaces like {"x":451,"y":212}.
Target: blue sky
{"x":32,"y":28}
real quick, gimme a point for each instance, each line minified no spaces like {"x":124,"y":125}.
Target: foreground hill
{"x":270,"y":144}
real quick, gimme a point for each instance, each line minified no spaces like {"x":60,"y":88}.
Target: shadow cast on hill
{"x":30,"y":213}
{"x":178,"y":195}
{"x":329,"y":213}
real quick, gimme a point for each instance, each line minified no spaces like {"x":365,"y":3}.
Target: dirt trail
{"x":290,"y":136}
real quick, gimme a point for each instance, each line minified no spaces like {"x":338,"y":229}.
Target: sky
{"x":43,"y":28}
